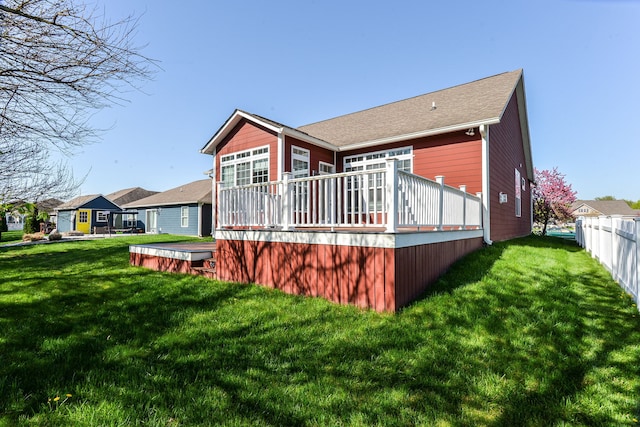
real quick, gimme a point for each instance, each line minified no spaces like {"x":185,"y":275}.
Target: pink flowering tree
{"x":552,"y":197}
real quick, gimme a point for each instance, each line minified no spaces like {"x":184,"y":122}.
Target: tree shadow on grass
{"x":487,"y":349}
{"x":539,"y":327}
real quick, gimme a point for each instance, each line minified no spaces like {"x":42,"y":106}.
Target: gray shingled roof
{"x":77,"y":202}
{"x":128,"y":195}
{"x":606,"y":207}
{"x":471,"y":103}
{"x":194,"y":192}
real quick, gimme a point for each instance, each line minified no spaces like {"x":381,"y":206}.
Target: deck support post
{"x":440,"y":180}
{"x":479,"y":195}
{"x":391,"y":193}
{"x":285,"y":192}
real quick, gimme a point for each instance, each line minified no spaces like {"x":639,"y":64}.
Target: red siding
{"x":383,"y":279}
{"x":455,"y":156}
{"x":506,"y":154}
{"x":317,"y":154}
{"x":247,"y":135}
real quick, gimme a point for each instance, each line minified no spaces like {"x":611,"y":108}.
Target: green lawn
{"x":11,"y":237}
{"x":528,"y":332}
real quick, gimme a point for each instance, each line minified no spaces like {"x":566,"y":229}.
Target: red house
{"x":371,"y":207}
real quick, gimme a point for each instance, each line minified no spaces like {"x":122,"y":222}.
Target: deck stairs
{"x":207,"y":269}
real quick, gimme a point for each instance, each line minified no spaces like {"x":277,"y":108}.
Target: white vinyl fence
{"x":615,"y":242}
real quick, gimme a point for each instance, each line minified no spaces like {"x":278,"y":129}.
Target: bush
{"x":32,"y":237}
{"x":55,"y":235}
{"x":31,"y":225}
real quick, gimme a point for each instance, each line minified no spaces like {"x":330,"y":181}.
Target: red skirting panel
{"x":159,"y":263}
{"x":383,"y":279}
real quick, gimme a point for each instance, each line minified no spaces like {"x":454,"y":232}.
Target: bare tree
{"x":60,"y":62}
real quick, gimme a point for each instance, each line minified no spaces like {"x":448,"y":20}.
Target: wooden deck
{"x":371,"y":270}
{"x":191,"y":258}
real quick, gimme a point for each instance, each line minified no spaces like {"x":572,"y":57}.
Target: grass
{"x":524,"y":333}
{"x":11,"y":237}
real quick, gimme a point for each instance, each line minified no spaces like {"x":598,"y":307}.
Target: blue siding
{"x":101,"y":204}
{"x":64,"y":220}
{"x":170,"y":221}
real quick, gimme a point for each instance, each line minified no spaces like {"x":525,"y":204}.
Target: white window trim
{"x":332,"y":168}
{"x":374,"y":199}
{"x":244,"y":156}
{"x":301,"y":157}
{"x":381,"y":156}
{"x":101,"y":217}
{"x":184,"y":217}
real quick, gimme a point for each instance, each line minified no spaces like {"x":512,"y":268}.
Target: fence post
{"x":463,"y":188}
{"x":636,"y":229}
{"x":285,"y":193}
{"x":391,"y":192}
{"x":440,"y":180}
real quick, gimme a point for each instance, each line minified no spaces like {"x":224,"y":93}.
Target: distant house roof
{"x":77,"y":202}
{"x":129,"y":195}
{"x":91,"y":201}
{"x":48,"y":205}
{"x":603,"y":207}
{"x":481,"y":102}
{"x":194,"y":192}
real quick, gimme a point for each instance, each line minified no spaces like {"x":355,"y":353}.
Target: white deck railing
{"x":351,"y":199}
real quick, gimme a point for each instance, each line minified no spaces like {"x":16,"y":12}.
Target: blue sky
{"x":302,"y":61}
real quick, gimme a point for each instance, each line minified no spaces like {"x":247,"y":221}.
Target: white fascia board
{"x":421,"y":134}
{"x":357,"y":239}
{"x":308,"y":138}
{"x":157,"y":205}
{"x":181,"y":254}
{"x":237,"y":116}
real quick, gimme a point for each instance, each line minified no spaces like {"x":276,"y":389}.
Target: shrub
{"x":31,"y":225}
{"x":32,"y":237}
{"x":55,"y":235}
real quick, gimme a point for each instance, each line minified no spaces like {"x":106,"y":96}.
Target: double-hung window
{"x":518,"y":189}
{"x":184,"y":216}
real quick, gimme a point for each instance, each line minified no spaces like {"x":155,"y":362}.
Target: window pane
{"x":243,"y":173}
{"x":228,"y":175}
{"x":260,"y":171}
{"x":184,"y":213}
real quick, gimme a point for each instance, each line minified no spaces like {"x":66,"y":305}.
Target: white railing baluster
{"x":386,"y":197}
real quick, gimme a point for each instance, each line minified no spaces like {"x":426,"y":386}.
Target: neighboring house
{"x":15,"y":219}
{"x":84,"y":213}
{"x":121,"y":198}
{"x":182,"y":210}
{"x":601,"y":207}
{"x":347,"y":208}
{"x":129,"y":195}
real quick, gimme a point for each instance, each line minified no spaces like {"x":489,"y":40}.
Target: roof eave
{"x":524,"y":126}
{"x":294,"y":133}
{"x":231,"y":122}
